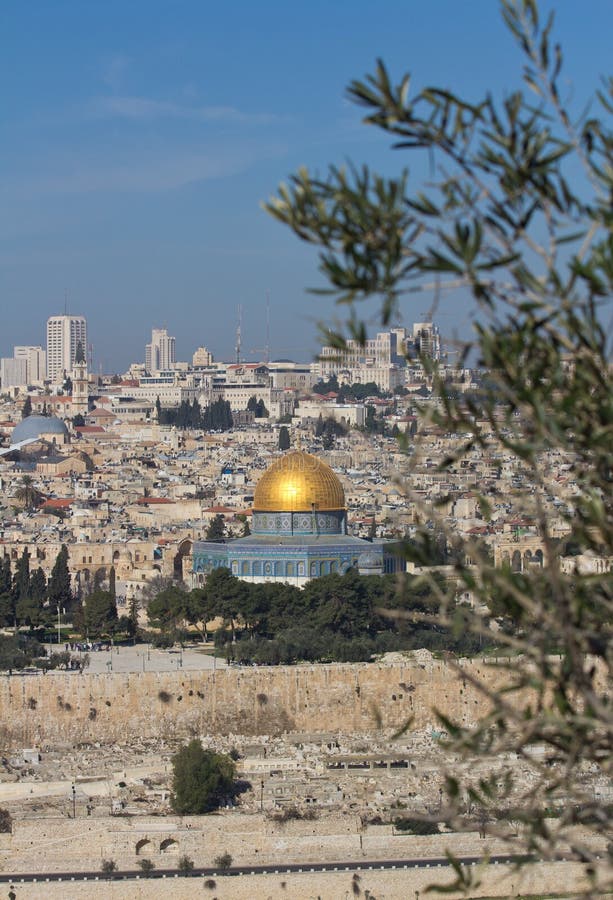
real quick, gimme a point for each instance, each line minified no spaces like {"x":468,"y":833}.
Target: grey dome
{"x":35,"y":426}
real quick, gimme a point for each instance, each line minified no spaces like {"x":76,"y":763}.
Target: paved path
{"x":270,"y":869}
{"x":143,"y":658}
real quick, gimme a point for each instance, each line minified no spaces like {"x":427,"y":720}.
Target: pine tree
{"x":217,"y":529}
{"x":100,"y":611}
{"x":26,"y":409}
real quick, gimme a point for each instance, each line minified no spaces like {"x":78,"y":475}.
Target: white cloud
{"x":146,"y":175}
{"x":141,"y":108}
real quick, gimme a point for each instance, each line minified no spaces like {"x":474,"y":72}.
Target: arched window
{"x":143,"y":845}
{"x":169,"y":845}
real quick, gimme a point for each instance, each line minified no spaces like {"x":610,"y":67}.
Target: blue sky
{"x":139,"y":138}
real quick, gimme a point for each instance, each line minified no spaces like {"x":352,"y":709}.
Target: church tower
{"x":80,"y":383}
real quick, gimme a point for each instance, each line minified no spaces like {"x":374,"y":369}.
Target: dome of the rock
{"x":298,"y":481}
{"x":298,"y":530}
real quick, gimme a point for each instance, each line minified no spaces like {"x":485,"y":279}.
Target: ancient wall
{"x":60,"y":844}
{"x":72,"y":845}
{"x":69,"y":707}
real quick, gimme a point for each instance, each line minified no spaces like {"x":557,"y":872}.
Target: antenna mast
{"x":267,"y":351}
{"x":238,"y":334}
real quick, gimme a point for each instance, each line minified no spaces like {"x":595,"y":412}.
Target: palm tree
{"x":27,"y":494}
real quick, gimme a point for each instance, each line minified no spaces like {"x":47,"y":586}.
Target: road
{"x":211,"y":872}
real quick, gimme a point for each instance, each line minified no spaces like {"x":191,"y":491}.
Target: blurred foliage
{"x":518,"y":212}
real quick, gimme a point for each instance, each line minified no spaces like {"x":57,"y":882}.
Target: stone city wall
{"x":352,"y":698}
{"x":64,"y":844}
{"x":58,"y":844}
{"x":550,"y":879}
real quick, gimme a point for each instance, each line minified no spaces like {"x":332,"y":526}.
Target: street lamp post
{"x":59,"y":622}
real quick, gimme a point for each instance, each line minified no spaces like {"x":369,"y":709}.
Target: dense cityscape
{"x":144,"y":520}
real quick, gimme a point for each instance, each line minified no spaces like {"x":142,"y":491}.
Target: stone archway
{"x":184,"y":549}
{"x":169,"y":845}
{"x":143,"y":847}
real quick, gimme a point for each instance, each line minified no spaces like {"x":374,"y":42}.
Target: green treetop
{"x":202,"y":780}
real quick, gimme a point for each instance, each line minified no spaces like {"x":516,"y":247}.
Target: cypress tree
{"x":58,"y":589}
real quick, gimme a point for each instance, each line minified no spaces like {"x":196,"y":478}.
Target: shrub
{"x":185,"y":865}
{"x":108,"y":866}
{"x":147,"y":865}
{"x":416,"y":826}
{"x":224,"y":861}
{"x":6,"y":822}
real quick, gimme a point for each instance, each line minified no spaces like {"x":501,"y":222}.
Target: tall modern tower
{"x":160,"y":354}
{"x":63,"y":335}
{"x":36,"y":363}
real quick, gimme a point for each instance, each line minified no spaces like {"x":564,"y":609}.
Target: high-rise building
{"x":202,"y":358}
{"x":160,"y":354}
{"x":36,"y":363}
{"x":64,"y":333}
{"x":13,"y":373}
{"x":427,"y":339}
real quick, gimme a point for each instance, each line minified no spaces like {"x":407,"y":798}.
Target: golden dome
{"x":298,"y":482}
